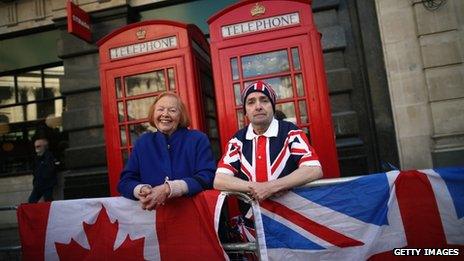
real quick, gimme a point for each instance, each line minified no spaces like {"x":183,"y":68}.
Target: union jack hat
{"x":259,"y":86}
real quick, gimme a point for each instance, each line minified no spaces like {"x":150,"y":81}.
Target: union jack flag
{"x":365,"y":218}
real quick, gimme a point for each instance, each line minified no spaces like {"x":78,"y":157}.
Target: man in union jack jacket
{"x":268,"y":156}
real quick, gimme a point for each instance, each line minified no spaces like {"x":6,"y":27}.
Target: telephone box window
{"x":145,"y":83}
{"x":296,"y":59}
{"x":238,"y":98}
{"x":288,"y":111}
{"x":303,"y":114}
{"x":125,"y":156}
{"x":123,"y":136}
{"x":299,"y":85}
{"x":240,"y":119}
{"x":234,"y":66}
{"x":136,"y":130}
{"x":138,"y":109}
{"x":281,"y":85}
{"x":121,"y":113}
{"x":118,"y":87}
{"x":172,"y":79}
{"x":265,"y":63}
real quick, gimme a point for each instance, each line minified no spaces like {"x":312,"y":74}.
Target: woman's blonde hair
{"x":184,"y":120}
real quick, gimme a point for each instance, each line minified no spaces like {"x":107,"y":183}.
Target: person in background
{"x":44,"y":172}
{"x":268,"y":156}
{"x":171,"y":162}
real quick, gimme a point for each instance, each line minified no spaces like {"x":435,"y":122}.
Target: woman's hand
{"x":155,"y":197}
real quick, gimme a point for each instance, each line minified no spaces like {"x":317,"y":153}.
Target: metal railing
{"x":253,"y":247}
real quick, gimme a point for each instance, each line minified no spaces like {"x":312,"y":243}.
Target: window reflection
{"x":265,"y":63}
{"x":138,"y":109}
{"x":234,"y":66}
{"x":12,"y":114}
{"x":238,"y":97}
{"x":303,"y":112}
{"x":288,"y":110}
{"x":7,"y":90}
{"x":172,"y":79}
{"x":30,"y":104}
{"x":52,"y":81}
{"x":122,"y":136}
{"x":240,"y":119}
{"x":296,"y":59}
{"x":145,"y":83}
{"x":299,"y":85}
{"x":136,"y":130}
{"x":118,"y":87}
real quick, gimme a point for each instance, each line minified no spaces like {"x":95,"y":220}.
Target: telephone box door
{"x":135,"y":91}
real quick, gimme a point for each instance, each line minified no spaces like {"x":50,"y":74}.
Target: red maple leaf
{"x":101,"y":237}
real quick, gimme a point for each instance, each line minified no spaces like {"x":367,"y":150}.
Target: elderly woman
{"x":172,"y":162}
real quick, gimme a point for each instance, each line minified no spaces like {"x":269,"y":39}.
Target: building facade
{"x":394,"y":69}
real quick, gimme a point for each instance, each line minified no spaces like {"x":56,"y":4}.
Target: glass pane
{"x":240,"y":119}
{"x":123,"y":136}
{"x":288,"y":111}
{"x":136,"y":130}
{"x":118,"y":87}
{"x":12,"y":114}
{"x":52,"y":81}
{"x":299,"y":85}
{"x":145,"y":83}
{"x":7,"y":92}
{"x":121,"y":111}
{"x":234,"y":66}
{"x":265,"y":63}
{"x":296,"y":59}
{"x":125,"y":156}
{"x":172,"y":79}
{"x":30,"y":86}
{"x":303,"y":112}
{"x":281,"y":85}
{"x":41,"y":110}
{"x":138,"y":109}
{"x":238,"y":98}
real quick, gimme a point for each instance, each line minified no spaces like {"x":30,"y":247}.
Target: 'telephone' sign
{"x":157,"y":45}
{"x":260,"y":25}
{"x":78,"y":22}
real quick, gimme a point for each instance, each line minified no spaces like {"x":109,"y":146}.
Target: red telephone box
{"x":274,"y":41}
{"x":137,"y":63}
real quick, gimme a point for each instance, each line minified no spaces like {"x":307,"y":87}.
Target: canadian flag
{"x":118,"y":229}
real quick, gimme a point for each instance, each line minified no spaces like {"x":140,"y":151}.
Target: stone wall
{"x":423,"y":53}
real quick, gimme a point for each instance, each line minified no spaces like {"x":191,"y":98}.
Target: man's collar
{"x":272,"y":131}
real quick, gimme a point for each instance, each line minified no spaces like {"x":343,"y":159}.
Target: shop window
{"x":31,"y":105}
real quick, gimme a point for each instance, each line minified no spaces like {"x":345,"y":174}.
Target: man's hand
{"x":262,"y":190}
